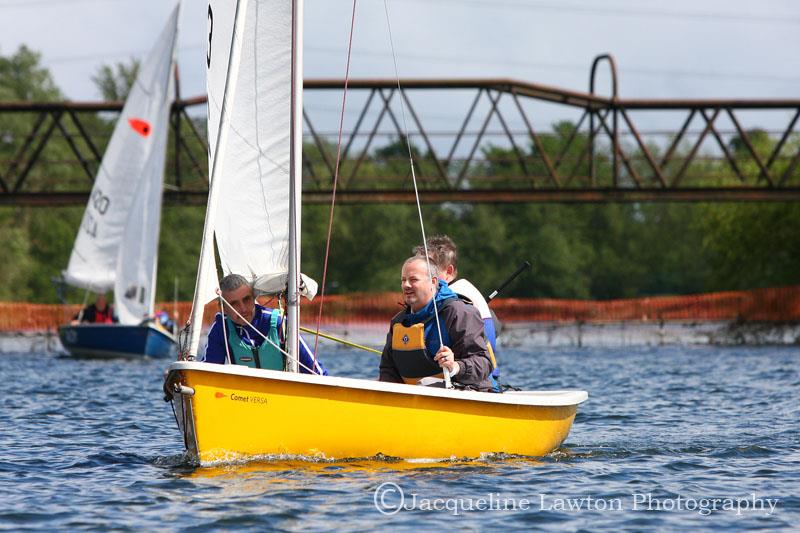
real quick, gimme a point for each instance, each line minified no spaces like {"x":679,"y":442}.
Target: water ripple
{"x":90,"y":445}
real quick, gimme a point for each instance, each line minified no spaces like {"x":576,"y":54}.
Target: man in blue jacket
{"x":417,"y":347}
{"x":443,"y":253}
{"x":232,"y":339}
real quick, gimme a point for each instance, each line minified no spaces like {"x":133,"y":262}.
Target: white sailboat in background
{"x":229,"y":412}
{"x":117,"y":243}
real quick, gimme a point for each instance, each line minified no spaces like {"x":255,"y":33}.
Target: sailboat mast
{"x":295,"y":189}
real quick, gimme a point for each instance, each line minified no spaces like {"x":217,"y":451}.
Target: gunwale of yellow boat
{"x":235,"y":412}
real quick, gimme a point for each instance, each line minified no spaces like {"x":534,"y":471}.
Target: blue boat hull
{"x":116,"y":340}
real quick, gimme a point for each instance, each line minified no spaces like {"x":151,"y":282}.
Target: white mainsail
{"x":117,"y":242}
{"x":251,"y":119}
{"x":135,"y":284}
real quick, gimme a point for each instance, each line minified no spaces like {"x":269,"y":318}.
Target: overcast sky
{"x":676,"y":49}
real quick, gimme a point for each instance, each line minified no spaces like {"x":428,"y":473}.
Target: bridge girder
{"x":604,"y":156}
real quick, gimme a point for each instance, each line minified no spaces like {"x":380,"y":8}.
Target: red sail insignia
{"x":142,"y":127}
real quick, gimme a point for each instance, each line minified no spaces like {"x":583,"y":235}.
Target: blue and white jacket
{"x":216,"y":351}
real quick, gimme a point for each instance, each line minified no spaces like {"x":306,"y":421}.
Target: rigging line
{"x":445,"y":371}
{"x":335,"y":180}
{"x":222,"y":316}
{"x":83,"y":307}
{"x":342,"y":341}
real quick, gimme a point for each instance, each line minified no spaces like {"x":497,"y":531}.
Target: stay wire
{"x":446,"y":372}
{"x":224,"y":333}
{"x":335,"y":179}
{"x":83,"y":307}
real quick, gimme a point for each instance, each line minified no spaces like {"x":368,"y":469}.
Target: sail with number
{"x":117,"y":242}
{"x":254,"y":97}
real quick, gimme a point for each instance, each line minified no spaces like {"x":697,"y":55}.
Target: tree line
{"x":592,"y":251}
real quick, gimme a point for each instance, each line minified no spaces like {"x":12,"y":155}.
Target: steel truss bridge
{"x":476,"y":140}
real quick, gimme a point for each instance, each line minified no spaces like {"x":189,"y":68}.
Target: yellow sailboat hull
{"x":231,"y":413}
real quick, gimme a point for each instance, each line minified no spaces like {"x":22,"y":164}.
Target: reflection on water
{"x":320,"y":467}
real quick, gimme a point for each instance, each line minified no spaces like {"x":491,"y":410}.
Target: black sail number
{"x":89,"y":224}
{"x":100,"y":204}
{"x":210,"y":31}
{"x":100,"y":201}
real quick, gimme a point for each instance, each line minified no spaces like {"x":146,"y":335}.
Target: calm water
{"x":668,"y":434}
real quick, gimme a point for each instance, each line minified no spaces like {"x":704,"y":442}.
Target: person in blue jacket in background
{"x":245,"y":346}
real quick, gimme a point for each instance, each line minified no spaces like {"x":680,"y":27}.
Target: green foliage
{"x":115,"y":81}
{"x":578,"y":251}
{"x":30,"y":239}
{"x":753,"y":245}
{"x":179,"y":251}
{"x":369,"y":243}
{"x":50,"y":235}
{"x":16,"y":264}
{"x":22,"y":78}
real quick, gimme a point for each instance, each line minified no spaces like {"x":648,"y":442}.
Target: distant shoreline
{"x":533,"y":334}
{"x":638,"y":333}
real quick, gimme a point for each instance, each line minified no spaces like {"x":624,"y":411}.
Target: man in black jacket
{"x":414,"y":348}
